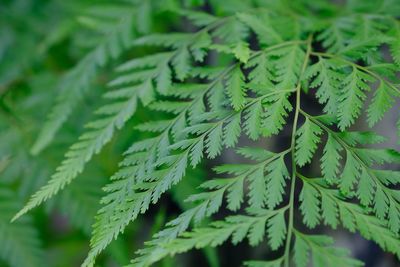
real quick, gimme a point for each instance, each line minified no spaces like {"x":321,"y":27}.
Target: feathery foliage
{"x":311,"y":74}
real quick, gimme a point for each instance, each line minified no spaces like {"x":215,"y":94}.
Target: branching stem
{"x":292,"y":147}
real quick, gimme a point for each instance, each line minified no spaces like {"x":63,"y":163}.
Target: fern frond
{"x":235,"y":88}
{"x":80,"y":202}
{"x":326,"y":76}
{"x":243,"y":73}
{"x":21,"y":246}
{"x":330,"y":161}
{"x":265,"y":32}
{"x":77,"y":81}
{"x":143,"y":73}
{"x":99,"y":133}
{"x":237,"y":228}
{"x":353,"y":94}
{"x":274,"y":117}
{"x":359,"y":175}
{"x":274,"y":263}
{"x":308,"y":136}
{"x":335,"y":37}
{"x":353,"y":217}
{"x":395,"y":44}
{"x":322,"y":253}
{"x":208,"y":203}
{"x":382,"y":101}
{"x":288,"y":63}
{"x":152,"y":183}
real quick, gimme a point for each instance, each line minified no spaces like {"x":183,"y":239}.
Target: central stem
{"x":292,"y":148}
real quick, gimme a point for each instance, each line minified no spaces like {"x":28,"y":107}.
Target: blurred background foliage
{"x":43,"y":44}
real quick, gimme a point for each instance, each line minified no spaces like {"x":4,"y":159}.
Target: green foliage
{"x":256,"y":69}
{"x":117,"y":37}
{"x":323,"y":253}
{"x":20,"y":238}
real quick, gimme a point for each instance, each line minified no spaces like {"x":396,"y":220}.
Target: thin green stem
{"x":292,"y":147}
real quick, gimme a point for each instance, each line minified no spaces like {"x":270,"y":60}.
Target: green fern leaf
{"x":276,"y":230}
{"x":322,"y":251}
{"x":330,"y":161}
{"x":275,"y":263}
{"x":252,"y":118}
{"x":327,"y":78}
{"x":269,"y":62}
{"x":308,"y":136}
{"x":351,"y":173}
{"x":20,"y":238}
{"x":310,"y":205}
{"x":353,"y":95}
{"x":381,"y":103}
{"x":266,"y":34}
{"x":277,"y":108}
{"x":235,"y":88}
{"x":77,"y":80}
{"x":277,"y":173}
